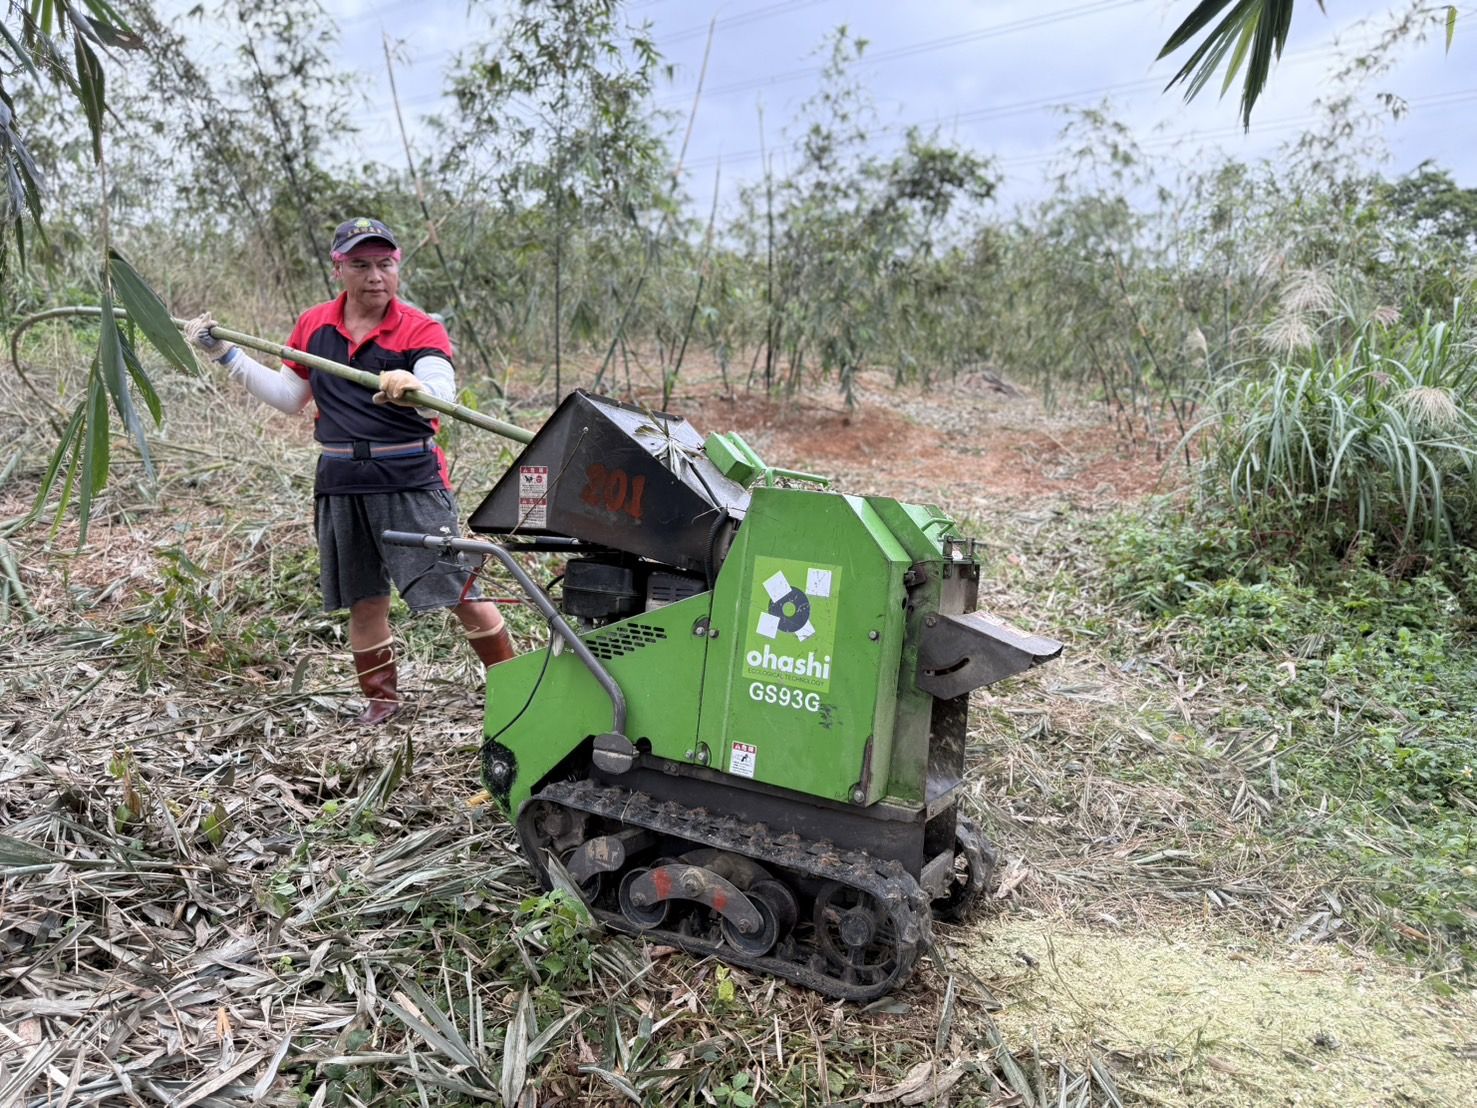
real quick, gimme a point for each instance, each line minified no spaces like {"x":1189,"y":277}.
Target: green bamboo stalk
{"x":302,"y":357}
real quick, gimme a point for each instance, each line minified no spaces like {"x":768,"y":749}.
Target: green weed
{"x":556,"y":930}
{"x":1373,"y":681}
{"x":1370,"y":442}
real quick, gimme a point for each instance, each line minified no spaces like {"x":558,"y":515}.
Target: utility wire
{"x":383,"y":9}
{"x":1015,"y":107}
{"x":928,"y":46}
{"x":1080,"y":11}
{"x":994,"y":111}
{"x":909,"y":50}
{"x":1437,"y":100}
{"x":784,"y":7}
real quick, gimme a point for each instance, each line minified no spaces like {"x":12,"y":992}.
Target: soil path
{"x":970,"y":443}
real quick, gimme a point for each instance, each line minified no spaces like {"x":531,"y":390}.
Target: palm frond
{"x":1251,"y":34}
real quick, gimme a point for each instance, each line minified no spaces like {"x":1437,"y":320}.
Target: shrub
{"x":1377,"y":440}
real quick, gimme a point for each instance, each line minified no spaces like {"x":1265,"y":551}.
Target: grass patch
{"x":227,"y":822}
{"x":1368,"y":684}
{"x":1367,"y":441}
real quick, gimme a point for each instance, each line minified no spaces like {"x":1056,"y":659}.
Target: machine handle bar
{"x":540,"y":600}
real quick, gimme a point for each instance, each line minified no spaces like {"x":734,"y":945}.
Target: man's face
{"x":370,"y":275}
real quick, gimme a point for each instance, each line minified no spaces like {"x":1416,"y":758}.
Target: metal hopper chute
{"x":622,"y":477}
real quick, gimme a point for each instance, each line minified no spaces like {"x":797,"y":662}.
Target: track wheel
{"x":857,"y":936}
{"x":974,"y":862}
{"x":644,"y":916}
{"x":590,"y":887}
{"x":763,"y":940}
{"x":780,"y":900}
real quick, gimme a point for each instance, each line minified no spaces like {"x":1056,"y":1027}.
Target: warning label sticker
{"x":533,"y":496}
{"x":742,"y":762}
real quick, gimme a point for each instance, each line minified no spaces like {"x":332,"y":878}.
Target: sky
{"x":990,"y":75}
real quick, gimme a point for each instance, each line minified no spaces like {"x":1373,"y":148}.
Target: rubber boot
{"x":377,"y":679}
{"x":492,"y":646}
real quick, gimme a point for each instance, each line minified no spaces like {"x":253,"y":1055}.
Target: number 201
{"x":613,"y":490}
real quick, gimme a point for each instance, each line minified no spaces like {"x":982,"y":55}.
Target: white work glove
{"x":394,"y":384}
{"x":197,"y":332}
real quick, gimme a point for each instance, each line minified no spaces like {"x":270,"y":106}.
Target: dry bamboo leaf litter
{"x":188,"y":910}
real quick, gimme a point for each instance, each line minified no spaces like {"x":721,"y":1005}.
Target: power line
{"x":1436,"y":100}
{"x":375,"y":13}
{"x":994,"y":111}
{"x":1095,"y":7}
{"x":927,"y":46}
{"x":784,"y":7}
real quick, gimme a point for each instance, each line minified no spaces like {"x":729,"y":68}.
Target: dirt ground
{"x":967,"y":444}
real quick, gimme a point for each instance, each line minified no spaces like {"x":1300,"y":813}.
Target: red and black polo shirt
{"x":346,"y":412}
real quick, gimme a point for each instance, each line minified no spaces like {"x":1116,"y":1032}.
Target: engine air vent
{"x":623,"y":639}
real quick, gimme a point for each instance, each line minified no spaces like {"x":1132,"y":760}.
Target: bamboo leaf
{"x":142,"y":383}
{"x":19,"y":52}
{"x":113,"y":352}
{"x":107,"y":13}
{"x":1450,"y":25}
{"x":110,"y":360}
{"x":1234,"y":65}
{"x":23,"y":176}
{"x":95,"y":451}
{"x":68,"y":442}
{"x":91,"y":91}
{"x":74,"y":466}
{"x":104,"y":27}
{"x":1217,"y":45}
{"x":515,"y":1052}
{"x":148,"y":311}
{"x":1227,"y":27}
{"x":216,"y":824}
{"x":1258,"y":30}
{"x":1195,"y":22}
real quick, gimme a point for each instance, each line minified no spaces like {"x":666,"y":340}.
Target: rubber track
{"x":892,"y":886}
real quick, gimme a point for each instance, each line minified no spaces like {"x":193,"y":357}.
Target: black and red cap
{"x":355,"y":232}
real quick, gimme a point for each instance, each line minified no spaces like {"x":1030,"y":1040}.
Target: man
{"x":379,"y":466}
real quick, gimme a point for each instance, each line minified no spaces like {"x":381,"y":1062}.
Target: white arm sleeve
{"x":438,"y":378}
{"x":281,"y":389}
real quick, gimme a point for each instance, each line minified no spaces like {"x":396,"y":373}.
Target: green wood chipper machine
{"x":746,"y":736}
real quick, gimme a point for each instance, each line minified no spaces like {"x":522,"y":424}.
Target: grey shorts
{"x":354,"y":564}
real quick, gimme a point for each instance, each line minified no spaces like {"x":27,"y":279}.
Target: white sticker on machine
{"x":742,"y":762}
{"x":533,"y":496}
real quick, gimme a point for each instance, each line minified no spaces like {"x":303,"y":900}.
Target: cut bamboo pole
{"x":302,"y":357}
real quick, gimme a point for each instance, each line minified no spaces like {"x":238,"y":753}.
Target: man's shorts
{"x":355,"y":564}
